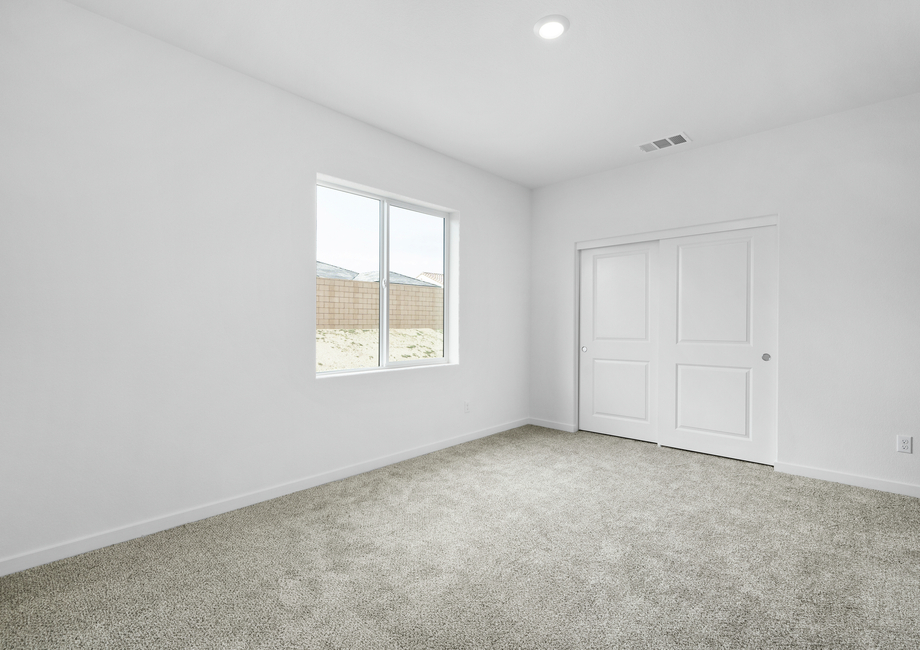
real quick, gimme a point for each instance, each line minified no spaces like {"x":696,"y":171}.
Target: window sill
{"x":374,"y":371}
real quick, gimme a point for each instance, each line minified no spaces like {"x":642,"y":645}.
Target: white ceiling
{"x":469,"y":78}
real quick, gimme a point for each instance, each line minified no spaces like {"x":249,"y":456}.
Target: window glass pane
{"x":416,"y":288}
{"x":347,"y":288}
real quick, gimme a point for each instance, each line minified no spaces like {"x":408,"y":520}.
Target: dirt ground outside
{"x":347,"y":349}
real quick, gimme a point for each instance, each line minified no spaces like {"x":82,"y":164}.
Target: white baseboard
{"x":907,"y":489}
{"x":92,"y":542}
{"x":549,"y":424}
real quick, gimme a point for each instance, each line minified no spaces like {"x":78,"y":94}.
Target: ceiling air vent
{"x":649,"y":147}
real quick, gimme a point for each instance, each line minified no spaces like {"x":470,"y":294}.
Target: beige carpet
{"x":528,"y":539}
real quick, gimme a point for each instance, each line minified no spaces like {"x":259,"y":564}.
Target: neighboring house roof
{"x":324,"y":270}
{"x":395,"y":278}
{"x":435,"y":278}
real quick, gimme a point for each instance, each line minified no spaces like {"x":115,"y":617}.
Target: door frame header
{"x":701,"y":229}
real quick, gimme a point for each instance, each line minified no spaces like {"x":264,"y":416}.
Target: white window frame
{"x":383,"y":277}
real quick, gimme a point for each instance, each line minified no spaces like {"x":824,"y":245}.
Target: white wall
{"x":157,"y":290}
{"x":845,"y":189}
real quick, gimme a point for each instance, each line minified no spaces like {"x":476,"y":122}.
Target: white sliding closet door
{"x":618,"y":341}
{"x":718,"y":341}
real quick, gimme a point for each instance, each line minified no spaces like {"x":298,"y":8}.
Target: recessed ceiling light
{"x":551,"y":26}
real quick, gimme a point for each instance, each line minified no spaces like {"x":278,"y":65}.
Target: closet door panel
{"x":618,"y":346}
{"x":718,"y":340}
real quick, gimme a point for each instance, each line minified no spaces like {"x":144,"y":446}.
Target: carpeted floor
{"x":532,"y":538}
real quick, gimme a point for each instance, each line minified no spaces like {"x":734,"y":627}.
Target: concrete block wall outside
{"x":345,"y":304}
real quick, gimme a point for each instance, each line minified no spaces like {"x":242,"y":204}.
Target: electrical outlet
{"x":466,"y":407}
{"x":905,"y":444}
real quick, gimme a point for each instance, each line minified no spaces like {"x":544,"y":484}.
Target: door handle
{"x":584,"y":348}
{"x":765,"y":357}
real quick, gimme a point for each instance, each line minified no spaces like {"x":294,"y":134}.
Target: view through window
{"x":361,"y":238}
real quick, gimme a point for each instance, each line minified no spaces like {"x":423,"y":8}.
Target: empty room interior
{"x":481,"y":324}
